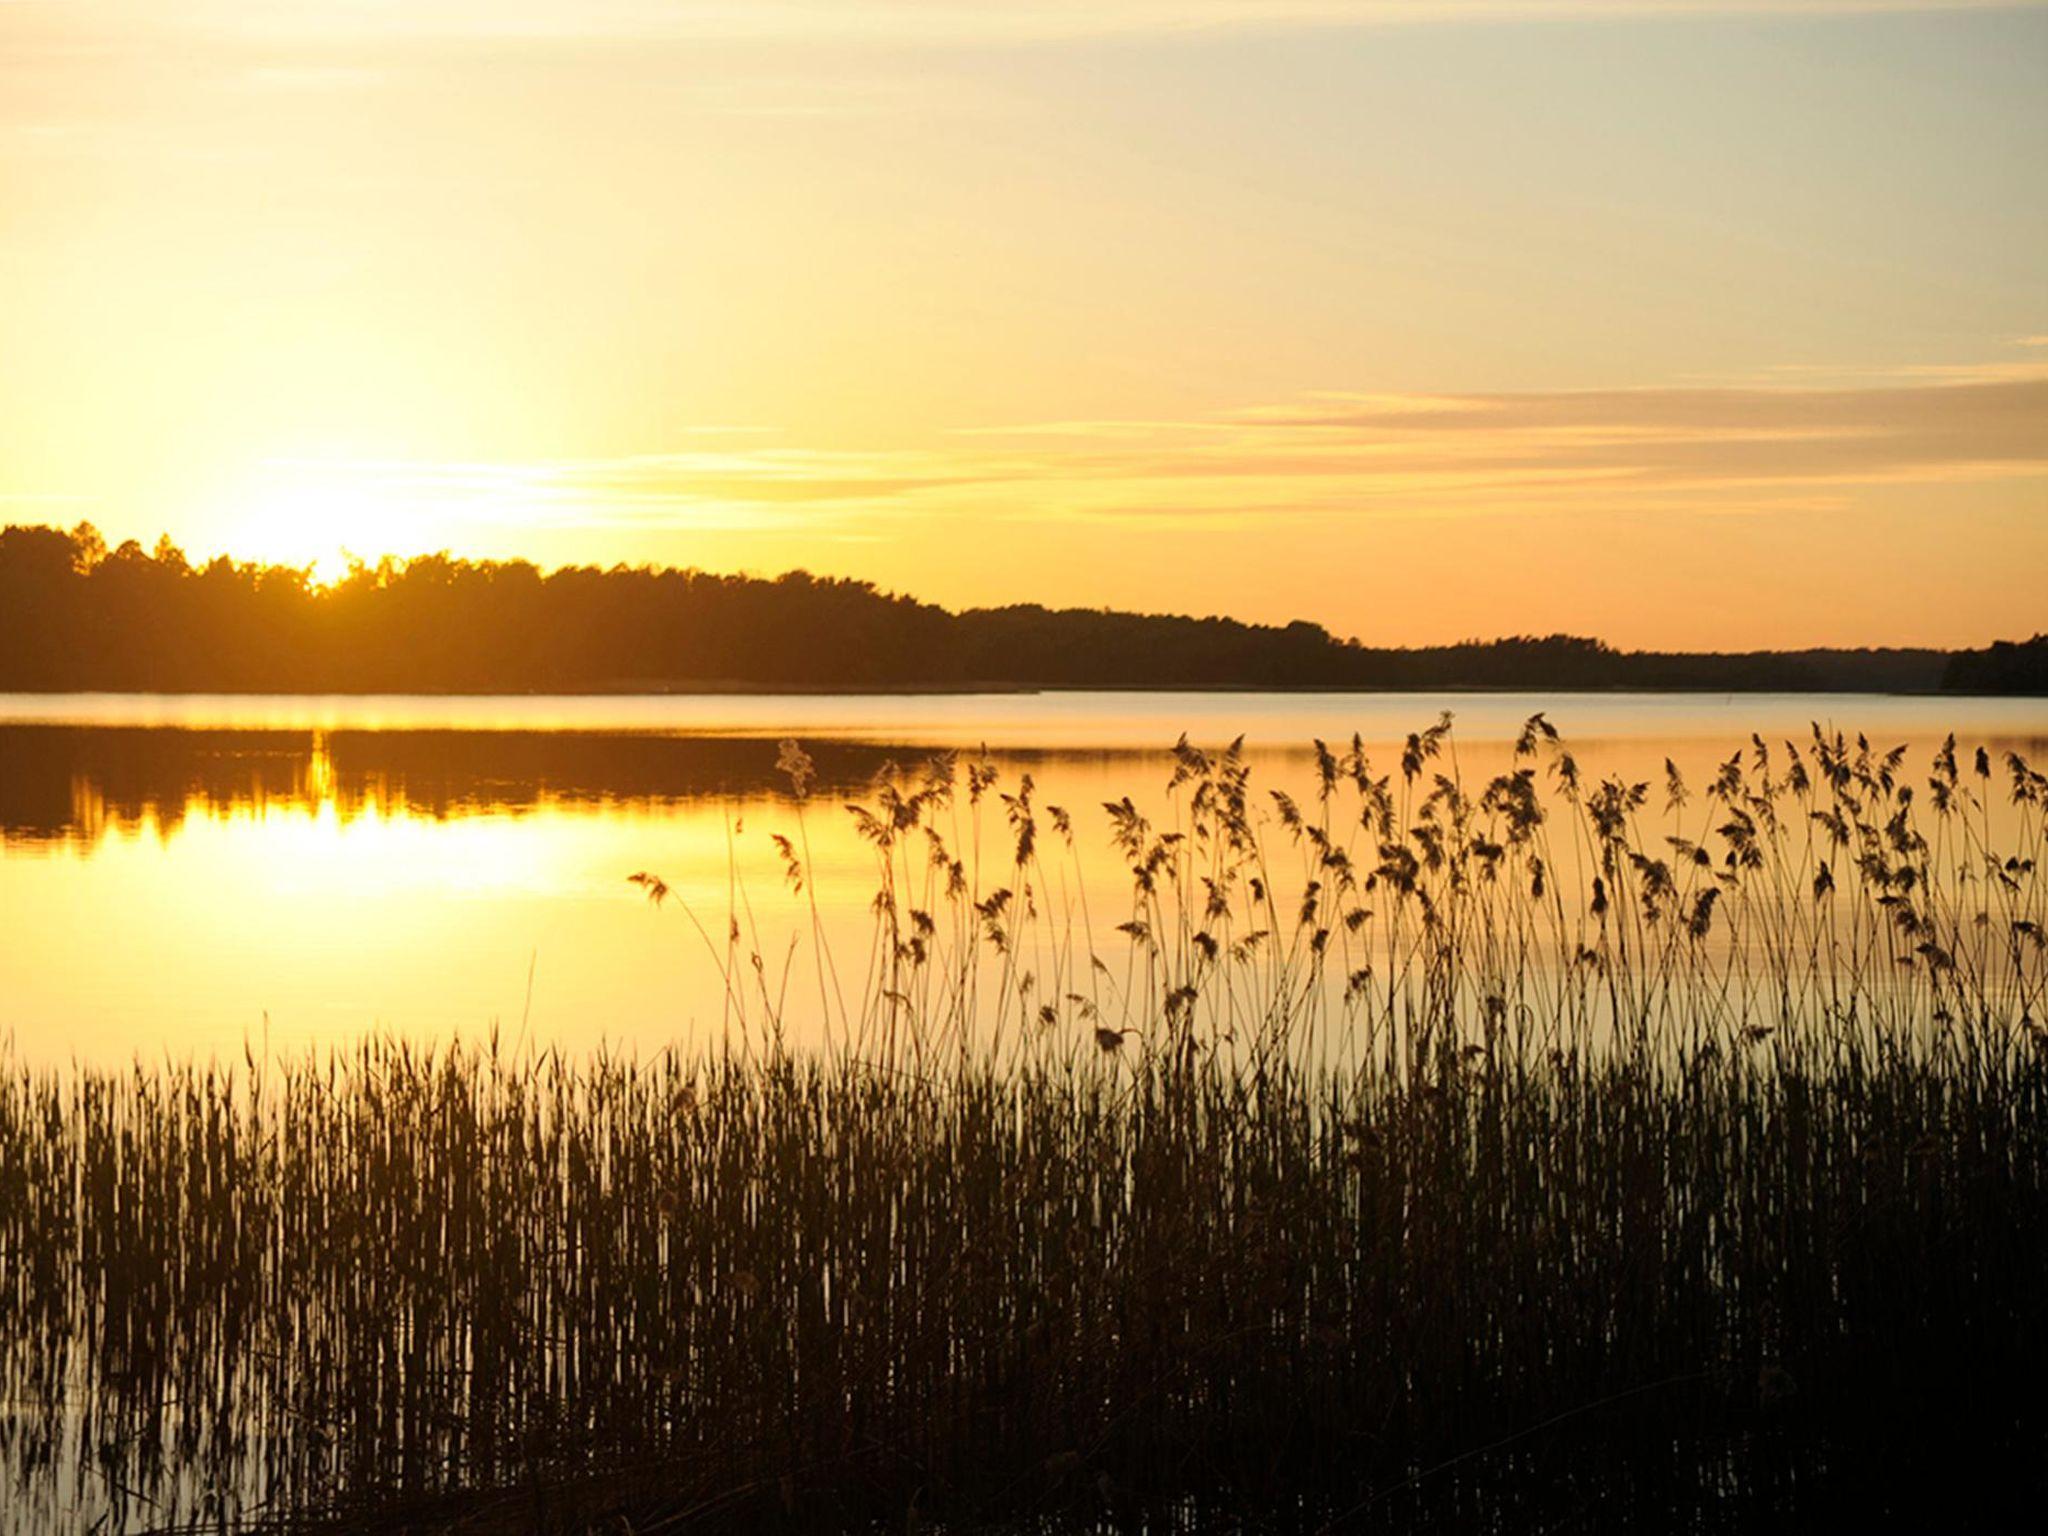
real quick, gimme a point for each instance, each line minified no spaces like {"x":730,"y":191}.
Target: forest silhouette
{"x":81,"y":616}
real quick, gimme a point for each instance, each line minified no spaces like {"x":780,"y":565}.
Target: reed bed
{"x":1539,"y":1153}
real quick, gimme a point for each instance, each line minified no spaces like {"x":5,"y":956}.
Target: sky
{"x":1694,"y":323}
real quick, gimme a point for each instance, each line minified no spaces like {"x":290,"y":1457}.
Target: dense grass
{"x":1715,"y":1193}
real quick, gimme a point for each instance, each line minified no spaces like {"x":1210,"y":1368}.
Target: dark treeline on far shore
{"x":76,"y":615}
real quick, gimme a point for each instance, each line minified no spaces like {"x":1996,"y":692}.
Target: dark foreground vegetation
{"x":80,"y":616}
{"x":1546,"y":1154}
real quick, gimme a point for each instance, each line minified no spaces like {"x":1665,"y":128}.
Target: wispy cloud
{"x":297,"y":78}
{"x":1728,"y":451}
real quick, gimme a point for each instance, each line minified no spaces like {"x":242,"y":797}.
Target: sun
{"x":322,"y":523}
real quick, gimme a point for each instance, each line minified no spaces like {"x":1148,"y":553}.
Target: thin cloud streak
{"x":1647,"y":451}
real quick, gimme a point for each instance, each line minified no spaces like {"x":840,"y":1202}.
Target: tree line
{"x":78,"y":615}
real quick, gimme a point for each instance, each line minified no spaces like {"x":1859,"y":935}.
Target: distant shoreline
{"x":654,"y":689}
{"x":966,"y":691}
{"x":83,"y":618}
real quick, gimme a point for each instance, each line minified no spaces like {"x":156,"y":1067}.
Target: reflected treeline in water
{"x":1534,"y":1149}
{"x":74,"y":784}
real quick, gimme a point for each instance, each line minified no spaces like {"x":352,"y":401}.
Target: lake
{"x":1091,"y":1025}
{"x":183,"y":875}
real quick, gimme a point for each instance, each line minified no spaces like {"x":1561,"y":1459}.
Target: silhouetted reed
{"x":1529,"y":1152}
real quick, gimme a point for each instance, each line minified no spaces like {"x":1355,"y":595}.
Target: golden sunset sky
{"x":1694,"y":323}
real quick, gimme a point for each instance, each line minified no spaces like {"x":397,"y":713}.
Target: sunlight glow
{"x":323,"y":520}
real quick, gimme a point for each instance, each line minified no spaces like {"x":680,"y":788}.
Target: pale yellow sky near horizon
{"x":1717,"y":323}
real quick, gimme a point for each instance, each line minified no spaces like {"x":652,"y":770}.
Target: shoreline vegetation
{"x":1549,"y":1152}
{"x":84,"y":618}
{"x":642,"y":688}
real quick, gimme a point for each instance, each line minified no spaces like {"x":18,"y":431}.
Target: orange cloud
{"x":1702,"y":448}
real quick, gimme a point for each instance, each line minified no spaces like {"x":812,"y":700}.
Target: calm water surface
{"x":183,"y":874}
